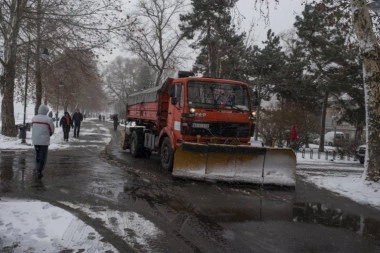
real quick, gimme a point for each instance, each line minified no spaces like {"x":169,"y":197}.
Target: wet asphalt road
{"x":194,"y":216}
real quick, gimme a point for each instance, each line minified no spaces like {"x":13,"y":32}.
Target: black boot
{"x":39,"y":174}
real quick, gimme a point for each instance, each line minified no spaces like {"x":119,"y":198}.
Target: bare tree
{"x":11,"y":14}
{"x":54,"y":23}
{"x":155,"y":37}
{"x":123,"y":77}
{"x":74,"y":81}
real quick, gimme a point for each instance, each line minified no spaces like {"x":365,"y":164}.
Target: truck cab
{"x":210,"y":110}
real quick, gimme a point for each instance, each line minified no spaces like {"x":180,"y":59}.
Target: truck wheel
{"x":167,"y":155}
{"x":136,"y":145}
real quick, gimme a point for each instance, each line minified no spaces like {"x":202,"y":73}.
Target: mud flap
{"x":245,"y":164}
{"x":125,"y":143}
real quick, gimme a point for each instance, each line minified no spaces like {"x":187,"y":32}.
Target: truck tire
{"x":136,"y":144}
{"x":167,"y":155}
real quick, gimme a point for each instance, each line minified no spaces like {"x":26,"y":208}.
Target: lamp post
{"x":60,"y":84}
{"x":23,"y":128}
{"x":334,"y":122}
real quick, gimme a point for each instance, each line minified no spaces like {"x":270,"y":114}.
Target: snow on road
{"x":35,"y":226}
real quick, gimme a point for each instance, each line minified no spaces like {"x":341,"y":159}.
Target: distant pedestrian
{"x":66,"y":122}
{"x":293,"y":138}
{"x":77,"y":120}
{"x":104,"y":118}
{"x":42,"y":129}
{"x":115,"y":119}
{"x":100,"y":117}
{"x":50,"y":114}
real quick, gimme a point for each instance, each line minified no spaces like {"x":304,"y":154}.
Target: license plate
{"x":201,"y":125}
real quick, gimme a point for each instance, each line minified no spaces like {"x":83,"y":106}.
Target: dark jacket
{"x":66,"y":123}
{"x":77,"y":118}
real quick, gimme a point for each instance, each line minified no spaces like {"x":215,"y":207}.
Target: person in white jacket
{"x":42,"y":129}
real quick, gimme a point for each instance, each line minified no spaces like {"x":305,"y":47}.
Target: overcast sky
{"x":281,"y":16}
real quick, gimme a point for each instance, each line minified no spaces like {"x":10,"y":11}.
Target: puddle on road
{"x":317,"y":213}
{"x":260,"y":210}
{"x":15,"y":174}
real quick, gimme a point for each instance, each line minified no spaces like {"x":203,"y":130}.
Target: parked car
{"x":340,"y":139}
{"x":360,"y":153}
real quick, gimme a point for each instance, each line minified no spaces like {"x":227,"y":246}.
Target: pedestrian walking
{"x":100,"y":117}
{"x":66,"y":122}
{"x":77,"y":119}
{"x":42,"y":129}
{"x":115,"y":119}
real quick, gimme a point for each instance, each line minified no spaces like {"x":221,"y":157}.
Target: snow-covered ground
{"x":47,"y":227}
{"x":36,"y":226}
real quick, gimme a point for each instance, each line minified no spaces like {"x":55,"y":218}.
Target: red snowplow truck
{"x":201,"y":127}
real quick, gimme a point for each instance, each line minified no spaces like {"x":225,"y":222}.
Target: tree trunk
{"x":8,"y":127}
{"x":323,"y":123}
{"x":370,"y":51}
{"x":38,"y":60}
{"x":258,"y":112}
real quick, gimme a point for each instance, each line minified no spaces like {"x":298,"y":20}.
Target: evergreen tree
{"x":219,"y":45}
{"x":264,"y":65}
{"x":323,"y":32}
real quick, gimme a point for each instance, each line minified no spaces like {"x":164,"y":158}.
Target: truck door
{"x":175,"y":108}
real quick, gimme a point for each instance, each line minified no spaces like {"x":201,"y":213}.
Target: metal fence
{"x":326,"y":155}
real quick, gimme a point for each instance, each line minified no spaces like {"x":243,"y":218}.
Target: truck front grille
{"x":216,"y":129}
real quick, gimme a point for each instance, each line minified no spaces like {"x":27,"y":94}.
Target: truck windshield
{"x":211,"y":95}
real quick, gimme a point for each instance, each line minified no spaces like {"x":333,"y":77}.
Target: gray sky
{"x":281,"y":16}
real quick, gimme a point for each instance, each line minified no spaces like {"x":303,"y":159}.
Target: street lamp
{"x":60,"y":84}
{"x":334,"y":122}
{"x":23,"y":128}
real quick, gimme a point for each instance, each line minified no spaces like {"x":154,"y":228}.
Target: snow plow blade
{"x":245,"y":164}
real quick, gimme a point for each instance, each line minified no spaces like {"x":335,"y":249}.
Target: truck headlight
{"x":253,"y":115}
{"x":192,"y":110}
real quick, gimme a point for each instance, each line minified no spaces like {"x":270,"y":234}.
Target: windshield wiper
{"x":237,"y":108}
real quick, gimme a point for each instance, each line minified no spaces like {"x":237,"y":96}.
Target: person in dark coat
{"x":66,"y":122}
{"x":42,"y":129}
{"x":77,"y":119}
{"x":115,"y":119}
